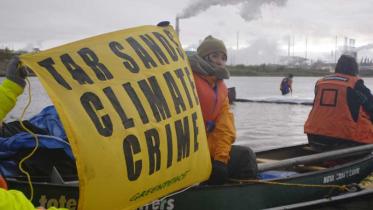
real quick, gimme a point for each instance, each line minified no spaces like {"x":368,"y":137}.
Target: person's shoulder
{"x":360,"y":84}
{"x":9,"y":85}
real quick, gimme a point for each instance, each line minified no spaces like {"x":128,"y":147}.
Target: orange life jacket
{"x":3,"y":183}
{"x":331,"y":116}
{"x":211,"y":94}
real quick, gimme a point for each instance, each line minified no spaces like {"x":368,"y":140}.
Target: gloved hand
{"x":16,"y":73}
{"x":164,"y":23}
{"x":219,"y":173}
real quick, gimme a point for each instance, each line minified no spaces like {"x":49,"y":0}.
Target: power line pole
{"x":237,"y":47}
{"x":238,"y":34}
{"x":306,"y":46}
{"x":289,"y":46}
{"x":335,"y":49}
{"x":293,"y":44}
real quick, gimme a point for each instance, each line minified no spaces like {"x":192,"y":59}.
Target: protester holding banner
{"x":209,"y":70}
{"x":128,"y":105}
{"x":11,"y":87}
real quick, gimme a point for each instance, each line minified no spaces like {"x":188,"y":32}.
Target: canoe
{"x":362,"y":200}
{"x":289,"y":175}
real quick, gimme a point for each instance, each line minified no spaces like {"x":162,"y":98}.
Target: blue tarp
{"x":276,"y":174}
{"x":46,"y":119}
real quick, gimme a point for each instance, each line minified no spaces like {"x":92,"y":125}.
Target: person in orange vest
{"x":209,"y":70}
{"x":342,"y":111}
{"x":286,"y":85}
{"x":10,"y":89}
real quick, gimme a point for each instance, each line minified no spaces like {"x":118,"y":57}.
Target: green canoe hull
{"x":259,"y":196}
{"x":237,"y":196}
{"x":362,"y":200}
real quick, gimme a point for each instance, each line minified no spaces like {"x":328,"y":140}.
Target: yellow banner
{"x":128,"y":103}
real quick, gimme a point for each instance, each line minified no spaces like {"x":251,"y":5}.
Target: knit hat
{"x":347,"y":65}
{"x":210,"y":45}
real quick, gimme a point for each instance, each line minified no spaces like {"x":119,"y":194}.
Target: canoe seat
{"x":309,"y":148}
{"x":299,"y":167}
{"x":310,"y":168}
{"x":264,"y":160}
{"x":275,"y":174}
{"x":56,"y":178}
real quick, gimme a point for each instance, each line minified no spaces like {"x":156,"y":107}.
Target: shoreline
{"x":282,"y":71}
{"x":266,"y":71}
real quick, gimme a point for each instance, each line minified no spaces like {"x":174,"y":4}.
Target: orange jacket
{"x":331,"y":115}
{"x":3,"y":183}
{"x":215,"y":107}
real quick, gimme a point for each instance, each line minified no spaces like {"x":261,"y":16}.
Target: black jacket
{"x":362,"y":96}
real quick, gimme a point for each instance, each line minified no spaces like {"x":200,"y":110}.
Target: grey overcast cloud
{"x":261,"y":30}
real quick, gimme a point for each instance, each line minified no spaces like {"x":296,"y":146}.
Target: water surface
{"x":259,"y":125}
{"x":264,"y":126}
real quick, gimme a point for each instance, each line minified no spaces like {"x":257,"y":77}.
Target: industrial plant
{"x":243,"y":56}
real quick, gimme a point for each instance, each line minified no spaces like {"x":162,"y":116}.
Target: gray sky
{"x":262,"y":27}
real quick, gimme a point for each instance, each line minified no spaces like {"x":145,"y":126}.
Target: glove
{"x":163,"y":23}
{"x":219,"y":173}
{"x":16,"y":73}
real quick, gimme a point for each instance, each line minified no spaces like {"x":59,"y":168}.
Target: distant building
{"x":366,"y":63}
{"x":323,"y":66}
{"x":294,"y":61}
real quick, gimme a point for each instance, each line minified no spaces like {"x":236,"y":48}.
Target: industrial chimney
{"x":177,"y":26}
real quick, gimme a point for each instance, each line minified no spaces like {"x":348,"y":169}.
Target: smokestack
{"x":345,"y":44}
{"x":352,"y":42}
{"x":335,"y":49}
{"x":306,"y":47}
{"x":289,"y":46}
{"x":177,"y":26}
{"x":293,"y":44}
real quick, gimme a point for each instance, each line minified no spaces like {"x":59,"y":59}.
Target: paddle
{"x":316,"y":157}
{"x":273,"y":102}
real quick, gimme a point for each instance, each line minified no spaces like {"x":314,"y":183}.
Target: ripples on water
{"x":260,"y":126}
{"x":263,"y":126}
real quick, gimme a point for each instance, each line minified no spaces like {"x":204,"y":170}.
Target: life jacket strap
{"x":210,"y":126}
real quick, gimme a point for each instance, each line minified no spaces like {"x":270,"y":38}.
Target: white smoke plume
{"x":250,"y":9}
{"x":365,"y":47}
{"x":260,"y":51}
